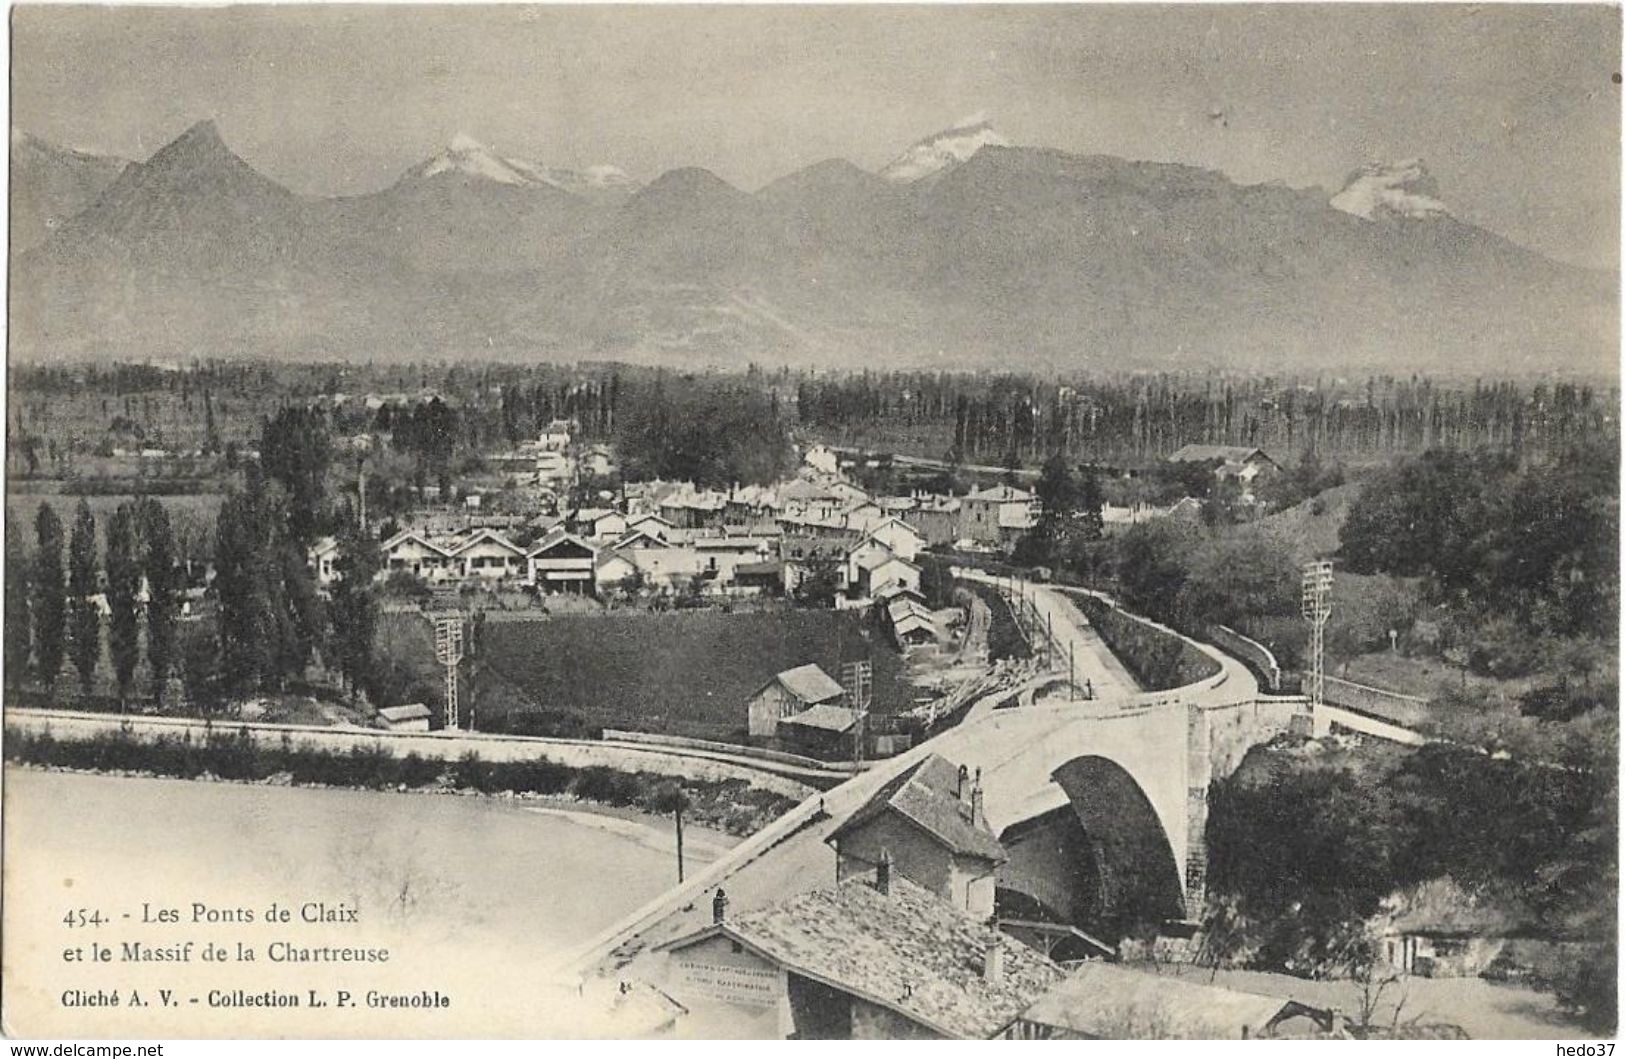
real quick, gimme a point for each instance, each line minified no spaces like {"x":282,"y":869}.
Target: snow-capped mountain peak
{"x":944,"y":149}
{"x":468,"y":156}
{"x":1399,"y":189}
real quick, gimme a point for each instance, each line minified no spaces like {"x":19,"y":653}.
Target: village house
{"x":877,"y":571}
{"x":1244,"y":464}
{"x":821,"y":458}
{"x":801,"y":556}
{"x":597,"y":522}
{"x":804,"y":498}
{"x":1107,"y":1001}
{"x":687,"y":507}
{"x":759,"y":578}
{"x":556,"y":436}
{"x":861,"y":516}
{"x":324,"y":557}
{"x":788,"y":693}
{"x":663,"y":565}
{"x":999,"y":515}
{"x":650,"y":525}
{"x":904,"y":540}
{"x":564,"y":562}
{"x":929,"y":820}
{"x":416,"y":554}
{"x":487,"y":554}
{"x":874,"y":958}
{"x":720,"y":556}
{"x":612,"y":570}
{"x":936,"y":519}
{"x":749,"y":503}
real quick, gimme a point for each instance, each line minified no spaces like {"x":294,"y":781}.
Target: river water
{"x":473,"y":896}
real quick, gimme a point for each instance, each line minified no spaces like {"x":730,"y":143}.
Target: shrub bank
{"x":731,"y":806}
{"x":1159,"y":659}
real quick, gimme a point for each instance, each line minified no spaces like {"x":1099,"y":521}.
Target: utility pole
{"x":859,"y":680}
{"x":1317,"y":608}
{"x":448,"y":651}
{"x":679,"y":841}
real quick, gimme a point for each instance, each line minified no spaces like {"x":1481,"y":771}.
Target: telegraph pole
{"x":1317,"y":608}
{"x":448,"y":651}
{"x":859,"y":680}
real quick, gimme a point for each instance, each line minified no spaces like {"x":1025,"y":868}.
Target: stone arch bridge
{"x":1130,"y":772}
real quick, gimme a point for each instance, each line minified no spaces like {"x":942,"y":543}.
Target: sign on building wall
{"x":755,"y":986}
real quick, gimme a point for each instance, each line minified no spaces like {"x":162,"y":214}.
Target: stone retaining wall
{"x":65,"y":724}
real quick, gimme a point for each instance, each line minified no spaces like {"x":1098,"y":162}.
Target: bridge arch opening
{"x":1102,"y":862}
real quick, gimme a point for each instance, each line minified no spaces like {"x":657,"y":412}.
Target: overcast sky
{"x":1513,"y":108}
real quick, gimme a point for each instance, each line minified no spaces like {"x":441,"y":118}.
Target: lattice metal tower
{"x":858,"y":679}
{"x":1317,"y":607}
{"x":448,"y":651}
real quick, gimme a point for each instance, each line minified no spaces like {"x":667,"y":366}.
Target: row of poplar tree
{"x":55,"y":613}
{"x":271,"y":623}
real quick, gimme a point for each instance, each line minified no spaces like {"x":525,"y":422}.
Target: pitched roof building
{"x":1219,"y":453}
{"x":1107,"y":1001}
{"x":786,"y":694}
{"x":929,"y":821}
{"x":881,"y":959}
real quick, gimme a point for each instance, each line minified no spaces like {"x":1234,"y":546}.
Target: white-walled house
{"x":881,"y":572}
{"x":416,"y":554}
{"x":598,"y":523}
{"x":324,"y":557}
{"x":822,"y":459}
{"x":487,"y":554}
{"x":904,"y":540}
{"x":613,"y":570}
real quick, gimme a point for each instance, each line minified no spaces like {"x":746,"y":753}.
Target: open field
{"x":684,"y":673}
{"x":192,"y":516}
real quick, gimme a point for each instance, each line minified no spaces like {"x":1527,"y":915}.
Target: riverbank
{"x":476,"y":897}
{"x":723,"y":807}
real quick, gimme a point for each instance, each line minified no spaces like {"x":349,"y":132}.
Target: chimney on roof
{"x":964,"y":792}
{"x":883,"y":873}
{"x":719,"y":906}
{"x":977,"y":816}
{"x":993,"y":961}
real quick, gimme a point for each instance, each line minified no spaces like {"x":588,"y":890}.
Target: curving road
{"x":1076,"y":641}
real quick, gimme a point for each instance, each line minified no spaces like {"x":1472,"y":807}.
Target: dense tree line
{"x":1536,"y":545}
{"x":712,"y":433}
{"x":1135,"y":417}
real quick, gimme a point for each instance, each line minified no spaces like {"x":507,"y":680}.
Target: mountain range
{"x":966,"y":251}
